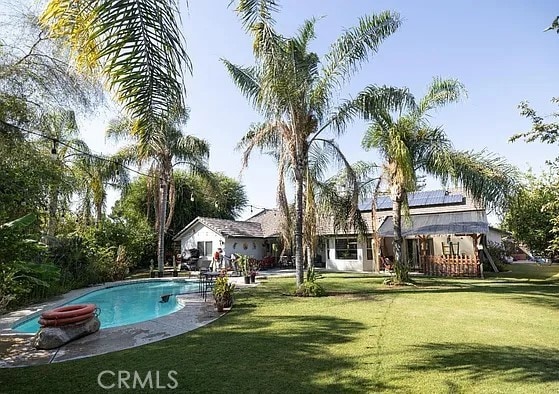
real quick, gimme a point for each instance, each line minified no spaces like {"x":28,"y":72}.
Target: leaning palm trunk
{"x":400,"y":266}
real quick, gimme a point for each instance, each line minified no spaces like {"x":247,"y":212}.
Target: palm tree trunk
{"x":374,"y":224}
{"x":171,"y":196}
{"x":299,"y":171}
{"x":53,"y":206}
{"x":400,"y":266}
{"x":161,"y":228}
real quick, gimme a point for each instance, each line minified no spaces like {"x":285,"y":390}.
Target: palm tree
{"x":162,"y":151}
{"x":410,"y":145}
{"x":61,"y":129}
{"x":95,"y":173}
{"x":294,"y":91}
{"x":135,"y":46}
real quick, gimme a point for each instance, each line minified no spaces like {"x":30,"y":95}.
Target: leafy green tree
{"x":220,"y":197}
{"x":409,"y":145}
{"x":295,"y":92}
{"x":531,"y":216}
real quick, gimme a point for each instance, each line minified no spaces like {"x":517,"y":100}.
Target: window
{"x":205,"y":248}
{"x":346,"y":248}
{"x":369,"y":249}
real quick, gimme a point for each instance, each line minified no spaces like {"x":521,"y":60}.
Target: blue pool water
{"x":127,"y":304}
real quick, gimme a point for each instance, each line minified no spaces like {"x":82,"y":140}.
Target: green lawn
{"x":498,"y":335}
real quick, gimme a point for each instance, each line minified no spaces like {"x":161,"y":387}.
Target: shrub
{"x":223,"y":291}
{"x":309,"y":288}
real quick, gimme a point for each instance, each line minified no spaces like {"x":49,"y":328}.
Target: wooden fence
{"x":450,"y":266}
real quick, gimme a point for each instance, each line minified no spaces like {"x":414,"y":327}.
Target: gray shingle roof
{"x":269,"y":219}
{"x":233,"y":228}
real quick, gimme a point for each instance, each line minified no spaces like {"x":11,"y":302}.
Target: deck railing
{"x":450,"y":266}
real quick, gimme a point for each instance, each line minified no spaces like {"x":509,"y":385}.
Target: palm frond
{"x":254,"y":11}
{"x":351,"y":50}
{"x":439,"y":93}
{"x":136,"y":44}
{"x":371,"y":103}
{"x":247,"y":80}
{"x":489,"y":178}
{"x":263,"y":136}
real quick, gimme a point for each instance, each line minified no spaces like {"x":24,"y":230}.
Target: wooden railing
{"x":450,"y":266}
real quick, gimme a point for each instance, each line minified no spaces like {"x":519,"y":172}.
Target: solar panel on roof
{"x":416,"y":199}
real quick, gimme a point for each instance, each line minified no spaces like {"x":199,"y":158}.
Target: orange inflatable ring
{"x":69,"y":311}
{"x":67,"y":315}
{"x":65,"y":321}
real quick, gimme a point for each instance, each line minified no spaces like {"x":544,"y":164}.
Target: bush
{"x":309,"y":288}
{"x":24,"y":269}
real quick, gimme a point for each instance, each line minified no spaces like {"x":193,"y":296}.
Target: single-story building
{"x":254,"y":237}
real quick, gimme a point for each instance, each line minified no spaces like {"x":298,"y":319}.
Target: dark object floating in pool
{"x":165,"y":297}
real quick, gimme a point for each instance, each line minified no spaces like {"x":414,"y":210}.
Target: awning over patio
{"x":466,"y":222}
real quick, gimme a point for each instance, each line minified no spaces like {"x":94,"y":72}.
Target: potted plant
{"x":244,"y":266}
{"x":254,"y":267}
{"x":151,"y":270}
{"x":223,"y":293}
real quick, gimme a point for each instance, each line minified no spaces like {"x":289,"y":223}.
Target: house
{"x":254,"y":237}
{"x":441,"y":236}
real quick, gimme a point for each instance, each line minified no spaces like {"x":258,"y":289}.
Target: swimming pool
{"x":126,"y":303}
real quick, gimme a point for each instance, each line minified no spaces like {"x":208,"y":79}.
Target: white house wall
{"x":346,"y":265}
{"x":200,"y":233}
{"x":363,"y":265}
{"x":494,"y":236}
{"x":252,"y":247}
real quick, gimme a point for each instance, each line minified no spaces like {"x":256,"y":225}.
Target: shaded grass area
{"x":440,"y":336}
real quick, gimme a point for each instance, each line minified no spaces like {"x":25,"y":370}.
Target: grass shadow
{"x":477,"y":361}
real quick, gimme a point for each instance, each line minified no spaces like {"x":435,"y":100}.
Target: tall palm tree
{"x":295,"y":92}
{"x":135,"y":46}
{"x":410,"y":145}
{"x":162,"y":151}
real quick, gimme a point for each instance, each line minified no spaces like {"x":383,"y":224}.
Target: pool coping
{"x":18,"y":350}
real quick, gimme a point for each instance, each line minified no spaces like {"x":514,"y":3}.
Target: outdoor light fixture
{"x":192,"y":197}
{"x":53,"y":150}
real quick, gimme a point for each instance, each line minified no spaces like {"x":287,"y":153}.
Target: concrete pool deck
{"x":16,"y":349}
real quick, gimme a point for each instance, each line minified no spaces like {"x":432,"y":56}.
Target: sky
{"x":497,"y":49}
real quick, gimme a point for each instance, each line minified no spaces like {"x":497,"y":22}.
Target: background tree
{"x":295,"y":93}
{"x":531,"y":216}
{"x":409,"y":145}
